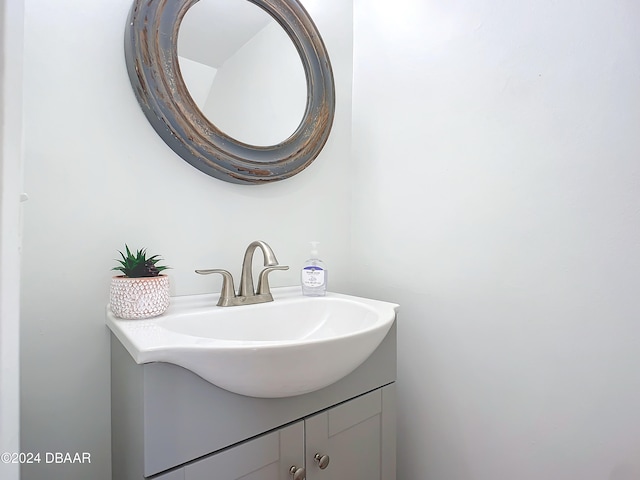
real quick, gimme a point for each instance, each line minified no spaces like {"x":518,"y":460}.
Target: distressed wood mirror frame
{"x":151,"y":53}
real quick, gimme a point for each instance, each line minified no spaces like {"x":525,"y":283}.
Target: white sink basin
{"x":291,"y":346}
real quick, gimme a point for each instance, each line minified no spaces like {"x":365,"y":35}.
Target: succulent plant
{"x":138,"y":265}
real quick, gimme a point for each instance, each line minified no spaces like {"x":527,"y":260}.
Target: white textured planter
{"x":143,"y":297}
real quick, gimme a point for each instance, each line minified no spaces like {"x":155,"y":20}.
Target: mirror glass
{"x":242,"y":71}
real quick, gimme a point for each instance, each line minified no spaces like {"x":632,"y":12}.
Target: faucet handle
{"x":228,"y":289}
{"x":263,"y":279}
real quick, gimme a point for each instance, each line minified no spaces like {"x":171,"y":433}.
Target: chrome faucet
{"x":246,"y":294}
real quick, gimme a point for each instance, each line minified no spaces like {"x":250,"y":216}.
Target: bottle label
{"x":312,"y":276}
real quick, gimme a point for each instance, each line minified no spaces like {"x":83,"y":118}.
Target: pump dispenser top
{"x":313,"y":276}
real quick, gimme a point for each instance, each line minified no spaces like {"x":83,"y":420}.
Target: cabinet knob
{"x":323,"y":460}
{"x":297,"y":473}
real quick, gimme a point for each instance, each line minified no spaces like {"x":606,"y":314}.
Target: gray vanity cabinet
{"x":170,"y":424}
{"x":357,"y":437}
{"x":354,"y":440}
{"x":268,"y":457}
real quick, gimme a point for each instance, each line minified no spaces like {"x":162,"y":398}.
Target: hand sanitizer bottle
{"x":313,"y":276}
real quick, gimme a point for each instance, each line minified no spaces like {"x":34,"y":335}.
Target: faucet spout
{"x":246,"y":278}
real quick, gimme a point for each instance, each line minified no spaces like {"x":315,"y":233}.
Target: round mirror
{"x":242,"y":71}
{"x":224,"y":145}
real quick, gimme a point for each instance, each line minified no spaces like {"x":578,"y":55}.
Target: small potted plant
{"x":141,"y":292}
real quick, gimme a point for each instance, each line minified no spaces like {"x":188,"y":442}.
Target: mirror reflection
{"x":242,"y":70}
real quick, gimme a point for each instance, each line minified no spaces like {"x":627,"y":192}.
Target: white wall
{"x":11,"y":41}
{"x":497,"y":200}
{"x":98,"y":176}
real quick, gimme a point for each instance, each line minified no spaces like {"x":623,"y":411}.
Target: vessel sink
{"x":291,"y":346}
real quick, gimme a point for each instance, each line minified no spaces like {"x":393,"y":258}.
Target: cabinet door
{"x":174,"y":475}
{"x":358,"y":437}
{"x":267,"y":457}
